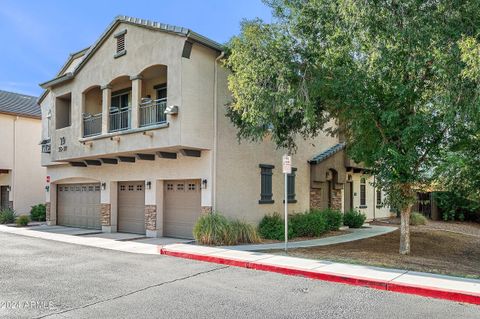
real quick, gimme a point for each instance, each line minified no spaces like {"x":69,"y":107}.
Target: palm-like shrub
{"x":242,"y":232}
{"x":417,"y":219}
{"x":212,"y":229}
{"x":7,"y":216}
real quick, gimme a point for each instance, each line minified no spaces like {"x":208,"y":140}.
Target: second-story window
{"x":120,"y":100}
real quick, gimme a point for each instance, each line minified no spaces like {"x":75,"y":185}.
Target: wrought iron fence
{"x":120,"y":119}
{"x":92,"y":124}
{"x":153,"y":112}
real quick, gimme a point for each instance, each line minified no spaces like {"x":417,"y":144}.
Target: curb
{"x":452,"y":295}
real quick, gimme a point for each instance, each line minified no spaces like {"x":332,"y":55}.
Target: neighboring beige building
{"x":139,"y":141}
{"x":22,"y":178}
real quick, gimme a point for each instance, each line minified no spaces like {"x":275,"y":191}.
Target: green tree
{"x":391,"y":72}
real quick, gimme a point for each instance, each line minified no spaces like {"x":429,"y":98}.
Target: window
{"x":180,"y":187}
{"x":63,"y":111}
{"x":191,"y":187}
{"x":139,"y":187}
{"x":120,"y":47}
{"x":379,"y":197}
{"x":170,"y":187}
{"x":363,"y":193}
{"x":291,"y":186}
{"x":120,"y":100}
{"x":266,"y":184}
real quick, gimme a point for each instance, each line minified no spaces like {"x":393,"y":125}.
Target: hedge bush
{"x":309,"y":224}
{"x":22,"y":220}
{"x":216,"y":229}
{"x":417,"y":219}
{"x":38,"y":213}
{"x":273,"y":227}
{"x":354,"y":219}
{"x":7,"y":216}
{"x":334,"y":218}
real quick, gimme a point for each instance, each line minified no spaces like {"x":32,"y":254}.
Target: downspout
{"x":215,"y":133}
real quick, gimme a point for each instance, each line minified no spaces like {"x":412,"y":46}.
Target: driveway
{"x":60,"y":280}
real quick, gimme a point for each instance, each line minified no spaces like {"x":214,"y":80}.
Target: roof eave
{"x":58,"y":80}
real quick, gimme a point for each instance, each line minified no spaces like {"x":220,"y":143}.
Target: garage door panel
{"x":182,"y":207}
{"x":78,"y":205}
{"x":131,"y":207}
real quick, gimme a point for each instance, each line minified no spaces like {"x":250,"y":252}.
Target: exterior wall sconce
{"x":204,"y":183}
{"x":47,"y":188}
{"x":104,"y":186}
{"x":9,"y":188}
{"x":171,"y":110}
{"x":149,"y":185}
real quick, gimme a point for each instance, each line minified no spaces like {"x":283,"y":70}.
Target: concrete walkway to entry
{"x":131,"y":243}
{"x":356,"y":234}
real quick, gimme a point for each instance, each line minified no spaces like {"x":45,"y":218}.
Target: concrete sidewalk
{"x":423,"y":284}
{"x":356,"y":234}
{"x":115,"y":241}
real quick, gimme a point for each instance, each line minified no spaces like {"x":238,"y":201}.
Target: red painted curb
{"x":452,"y":295}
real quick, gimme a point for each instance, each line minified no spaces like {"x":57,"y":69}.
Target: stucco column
{"x":106,"y":102}
{"x":136,"y":97}
{"x":108,"y":206}
{"x":152,"y":189}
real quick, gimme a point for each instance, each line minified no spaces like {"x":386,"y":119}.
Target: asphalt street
{"x":47,"y":279}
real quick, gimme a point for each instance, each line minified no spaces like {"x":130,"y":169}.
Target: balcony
{"x":153,"y":112}
{"x":120,"y":119}
{"x":92,"y":124}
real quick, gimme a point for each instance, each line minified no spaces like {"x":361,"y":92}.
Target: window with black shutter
{"x":379,"y":197}
{"x":291,"y":186}
{"x":266,"y":195}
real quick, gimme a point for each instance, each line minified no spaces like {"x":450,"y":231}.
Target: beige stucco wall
{"x":238,"y":171}
{"x":145,"y":48}
{"x":371,"y":211}
{"x":21,"y":155}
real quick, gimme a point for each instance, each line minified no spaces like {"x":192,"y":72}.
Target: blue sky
{"x":38,"y":36}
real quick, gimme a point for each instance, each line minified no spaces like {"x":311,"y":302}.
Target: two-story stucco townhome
{"x":22,"y":177}
{"x":140,"y":142}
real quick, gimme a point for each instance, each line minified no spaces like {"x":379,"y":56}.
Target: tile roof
{"x":327,"y":153}
{"x":19,"y":104}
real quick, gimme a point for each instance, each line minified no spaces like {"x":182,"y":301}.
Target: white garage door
{"x":131,"y":207}
{"x":182,"y":207}
{"x":78,"y":205}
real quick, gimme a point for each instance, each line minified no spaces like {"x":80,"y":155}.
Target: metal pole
{"x":286,"y":213}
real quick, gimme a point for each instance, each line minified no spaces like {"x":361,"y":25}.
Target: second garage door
{"x":182,"y":207}
{"x":78,"y":205}
{"x":131,"y":207}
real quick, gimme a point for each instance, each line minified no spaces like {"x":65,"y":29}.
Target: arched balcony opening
{"x":120,"y":111}
{"x":92,"y":111}
{"x":153,"y":101}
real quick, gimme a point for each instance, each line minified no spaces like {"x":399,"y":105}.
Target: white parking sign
{"x":287,"y":164}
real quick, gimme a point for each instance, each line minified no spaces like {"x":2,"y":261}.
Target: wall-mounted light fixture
{"x":149,"y":185}
{"x":204,"y":183}
{"x":104,"y":186}
{"x":171,"y":110}
{"x":47,"y":188}
{"x":9,"y":188}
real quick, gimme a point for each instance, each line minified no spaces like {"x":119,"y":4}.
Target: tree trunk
{"x":405,"y":230}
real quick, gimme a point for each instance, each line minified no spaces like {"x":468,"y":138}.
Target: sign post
{"x":287,"y":169}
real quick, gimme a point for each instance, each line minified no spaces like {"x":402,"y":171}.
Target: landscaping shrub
{"x":212,"y":229}
{"x":22,"y":220}
{"x":417,"y":219}
{"x":309,"y":224}
{"x":38,"y":213}
{"x":273,"y":227}
{"x":7,"y":216}
{"x":456,"y":207}
{"x":216,"y":229}
{"x":242,"y":232}
{"x":334,"y":218}
{"x":354,"y":219}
